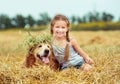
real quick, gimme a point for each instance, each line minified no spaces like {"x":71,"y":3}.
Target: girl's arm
{"x":81,"y":52}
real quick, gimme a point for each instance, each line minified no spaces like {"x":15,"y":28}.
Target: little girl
{"x":77,"y":57}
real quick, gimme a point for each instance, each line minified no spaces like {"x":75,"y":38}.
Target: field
{"x":102,"y":46}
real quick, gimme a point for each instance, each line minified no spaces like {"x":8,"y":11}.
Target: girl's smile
{"x":60,"y":28}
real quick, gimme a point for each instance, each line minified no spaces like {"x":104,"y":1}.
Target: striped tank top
{"x":73,"y":60}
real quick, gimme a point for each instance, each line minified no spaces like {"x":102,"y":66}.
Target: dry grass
{"x":102,"y":46}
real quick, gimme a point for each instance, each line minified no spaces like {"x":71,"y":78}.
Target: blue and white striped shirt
{"x":73,"y":60}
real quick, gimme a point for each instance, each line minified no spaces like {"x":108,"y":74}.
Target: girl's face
{"x":60,"y":28}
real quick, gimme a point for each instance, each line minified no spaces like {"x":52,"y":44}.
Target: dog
{"x":41,"y":54}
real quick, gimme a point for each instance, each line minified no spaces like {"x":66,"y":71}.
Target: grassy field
{"x":102,"y":46}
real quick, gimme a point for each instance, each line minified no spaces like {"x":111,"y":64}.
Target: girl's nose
{"x":60,"y":29}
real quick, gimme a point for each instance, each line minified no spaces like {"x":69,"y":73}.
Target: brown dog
{"x":41,"y":54}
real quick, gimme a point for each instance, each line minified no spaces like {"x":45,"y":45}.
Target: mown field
{"x":102,"y":46}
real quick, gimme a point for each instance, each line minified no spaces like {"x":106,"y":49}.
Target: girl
{"x":77,"y":57}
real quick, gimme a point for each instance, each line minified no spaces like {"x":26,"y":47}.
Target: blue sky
{"x":52,"y":7}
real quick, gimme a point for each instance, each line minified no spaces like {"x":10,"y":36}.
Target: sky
{"x":53,"y":7}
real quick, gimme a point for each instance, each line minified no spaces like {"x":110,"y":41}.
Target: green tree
{"x":84,"y":19}
{"x":5,"y":21}
{"x":107,"y":17}
{"x":44,"y":19}
{"x":73,"y":19}
{"x":110,"y":17}
{"x":93,"y":17}
{"x":30,"y":20}
{"x":19,"y":20}
{"x":79,"y":20}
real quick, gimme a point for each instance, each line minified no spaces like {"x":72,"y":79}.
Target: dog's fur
{"x":36,"y":52}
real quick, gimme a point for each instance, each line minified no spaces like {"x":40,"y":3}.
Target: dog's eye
{"x":48,"y":46}
{"x":40,"y":46}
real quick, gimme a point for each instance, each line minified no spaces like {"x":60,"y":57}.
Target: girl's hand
{"x":89,"y":60}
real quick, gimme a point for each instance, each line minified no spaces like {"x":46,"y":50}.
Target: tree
{"x":110,"y":17}
{"x":93,"y":17}
{"x":104,"y":16}
{"x":84,"y":19}
{"x":79,"y":20}
{"x":73,"y":19}
{"x":30,"y":20}
{"x":44,"y":19}
{"x":107,"y":17}
{"x":19,"y":20}
{"x":5,"y":21}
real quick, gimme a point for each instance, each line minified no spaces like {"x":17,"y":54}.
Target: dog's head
{"x":38,"y":53}
{"x":42,"y":52}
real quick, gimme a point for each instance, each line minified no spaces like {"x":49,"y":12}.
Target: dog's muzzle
{"x":44,"y":58}
{"x":46,"y":53}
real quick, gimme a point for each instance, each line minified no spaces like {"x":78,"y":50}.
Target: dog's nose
{"x":46,"y":51}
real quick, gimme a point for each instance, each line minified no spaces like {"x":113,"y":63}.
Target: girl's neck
{"x":59,"y":38}
{"x":60,"y":42}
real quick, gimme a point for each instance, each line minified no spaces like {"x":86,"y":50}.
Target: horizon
{"x":69,"y":8}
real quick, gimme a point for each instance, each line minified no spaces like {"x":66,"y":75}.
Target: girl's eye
{"x":57,"y":26}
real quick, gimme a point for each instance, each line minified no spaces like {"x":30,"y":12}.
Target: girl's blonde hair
{"x":63,"y":18}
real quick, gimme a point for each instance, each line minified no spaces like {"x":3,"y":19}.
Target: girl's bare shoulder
{"x":73,"y":41}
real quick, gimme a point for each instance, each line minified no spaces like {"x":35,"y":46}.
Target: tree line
{"x":19,"y":21}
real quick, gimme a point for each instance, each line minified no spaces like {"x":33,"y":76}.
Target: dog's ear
{"x":31,"y":48}
{"x":30,"y":60}
{"x":66,"y":52}
{"x":54,"y":64}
